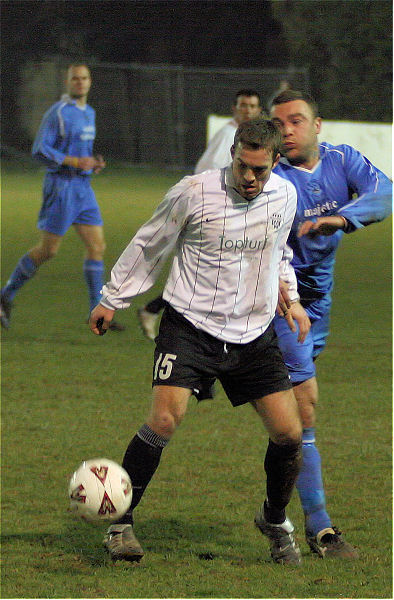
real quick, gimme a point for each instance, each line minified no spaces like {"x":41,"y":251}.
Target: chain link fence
{"x":147,"y":114}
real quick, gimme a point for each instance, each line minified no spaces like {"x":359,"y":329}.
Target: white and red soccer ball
{"x":100,"y":490}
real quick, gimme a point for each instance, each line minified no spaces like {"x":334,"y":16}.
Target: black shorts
{"x":190,"y":358}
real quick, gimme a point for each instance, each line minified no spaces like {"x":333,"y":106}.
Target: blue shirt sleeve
{"x":373,"y":189}
{"x":44,"y":146}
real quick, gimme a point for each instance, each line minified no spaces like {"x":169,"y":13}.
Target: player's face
{"x":299,"y":129}
{"x":247,"y":107}
{"x":78,"y":82}
{"x":251,"y":169}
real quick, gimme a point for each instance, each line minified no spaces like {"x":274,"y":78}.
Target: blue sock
{"x":310,"y":486}
{"x":93,"y":271}
{"x":24,"y":270}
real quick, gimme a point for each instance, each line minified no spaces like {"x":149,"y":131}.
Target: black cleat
{"x":5,"y":311}
{"x":329,"y":543}
{"x":284,"y":549}
{"x":148,"y":321}
{"x":121,"y":543}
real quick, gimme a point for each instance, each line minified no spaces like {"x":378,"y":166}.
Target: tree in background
{"x":347,"y":46}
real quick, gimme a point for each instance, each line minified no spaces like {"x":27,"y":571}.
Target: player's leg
{"x":88,"y":224}
{"x":280,"y":415}
{"x":258,"y":375}
{"x":57,"y":213}
{"x":93,"y":266}
{"x":143,"y":454}
{"x":148,"y":316}
{"x":26,"y":268}
{"x":174,"y":378}
{"x":299,"y":359}
{"x":141,"y":460}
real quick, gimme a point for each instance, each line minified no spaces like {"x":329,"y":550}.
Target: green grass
{"x":68,"y":395}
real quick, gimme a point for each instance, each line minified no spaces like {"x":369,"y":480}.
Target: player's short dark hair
{"x":259,"y":133}
{"x":78,"y":64}
{"x":246,"y":92}
{"x":290,"y":95}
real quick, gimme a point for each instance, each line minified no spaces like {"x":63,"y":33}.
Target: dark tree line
{"x":347,"y":44}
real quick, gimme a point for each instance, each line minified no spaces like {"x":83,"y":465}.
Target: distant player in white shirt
{"x":246,"y":106}
{"x":229,"y":229}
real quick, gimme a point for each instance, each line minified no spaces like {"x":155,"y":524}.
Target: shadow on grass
{"x":82,"y":541}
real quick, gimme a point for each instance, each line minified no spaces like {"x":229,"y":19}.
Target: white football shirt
{"x":218,"y":151}
{"x":229,"y":253}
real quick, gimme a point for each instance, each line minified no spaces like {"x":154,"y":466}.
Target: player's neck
{"x":81,"y":101}
{"x":310,"y":161}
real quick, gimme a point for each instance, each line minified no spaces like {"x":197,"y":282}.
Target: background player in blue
{"x":338,"y":191}
{"x":64,"y":143}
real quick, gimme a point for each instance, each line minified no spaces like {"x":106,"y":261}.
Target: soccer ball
{"x":100,"y":490}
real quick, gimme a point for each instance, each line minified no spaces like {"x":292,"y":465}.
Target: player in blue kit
{"x":64,"y":143}
{"x":338,"y":191}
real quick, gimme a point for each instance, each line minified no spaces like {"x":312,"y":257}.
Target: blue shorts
{"x":67,"y":200}
{"x":299,"y":358}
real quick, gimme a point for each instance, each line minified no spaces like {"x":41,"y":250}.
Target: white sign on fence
{"x":374,"y":140}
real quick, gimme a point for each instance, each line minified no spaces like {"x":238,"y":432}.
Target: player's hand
{"x":100,"y":319}
{"x":86,"y":163}
{"x":100,"y":164}
{"x":283,"y":308}
{"x":284,"y":302}
{"x":298,"y":313}
{"x":322,"y":226}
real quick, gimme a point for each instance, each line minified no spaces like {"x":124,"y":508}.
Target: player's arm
{"x":323,"y":226}
{"x":289,"y":300}
{"x":85,"y":163}
{"x":373,"y":188}
{"x":292,"y":310}
{"x":44,"y":146}
{"x":139,"y":265}
{"x":373,"y":201}
{"x":289,"y":306}
{"x":288,"y":291}
{"x":100,"y":319}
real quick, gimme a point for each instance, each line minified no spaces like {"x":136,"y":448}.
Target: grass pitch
{"x":68,"y":396}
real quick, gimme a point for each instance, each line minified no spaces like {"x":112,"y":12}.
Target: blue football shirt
{"x":345,"y":183}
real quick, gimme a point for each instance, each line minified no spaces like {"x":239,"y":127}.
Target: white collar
{"x":284,"y":161}
{"x":66,"y":98}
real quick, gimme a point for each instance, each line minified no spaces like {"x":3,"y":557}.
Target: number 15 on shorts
{"x":163,"y":366}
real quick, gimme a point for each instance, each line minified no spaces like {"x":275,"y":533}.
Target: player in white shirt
{"x":246,"y":106}
{"x":229,"y":229}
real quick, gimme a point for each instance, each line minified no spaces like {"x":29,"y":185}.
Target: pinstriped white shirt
{"x":229,"y":253}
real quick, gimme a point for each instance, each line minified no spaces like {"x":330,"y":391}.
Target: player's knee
{"x":101,"y":247}
{"x":51,"y":252}
{"x":164,"y":424}
{"x":306,"y":394}
{"x":308,"y":415}
{"x":289,"y":436}
{"x":41,"y":254}
{"x":96,"y":251}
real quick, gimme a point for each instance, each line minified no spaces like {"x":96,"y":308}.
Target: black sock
{"x":141,"y":460}
{"x":156,"y":305}
{"x":282,"y":465}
